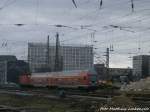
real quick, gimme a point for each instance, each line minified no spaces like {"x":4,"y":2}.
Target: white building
{"x":75,"y":57}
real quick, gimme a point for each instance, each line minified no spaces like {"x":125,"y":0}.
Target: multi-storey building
{"x":74,"y":57}
{"x":141,"y":66}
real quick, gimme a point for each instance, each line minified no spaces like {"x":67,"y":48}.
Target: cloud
{"x":40,"y":16}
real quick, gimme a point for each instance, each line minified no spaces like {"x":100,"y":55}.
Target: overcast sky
{"x":40,"y":17}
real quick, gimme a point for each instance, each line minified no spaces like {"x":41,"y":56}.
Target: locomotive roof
{"x":64,"y":73}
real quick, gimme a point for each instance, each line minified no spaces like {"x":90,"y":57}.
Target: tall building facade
{"x":73,"y":57}
{"x":141,"y":66}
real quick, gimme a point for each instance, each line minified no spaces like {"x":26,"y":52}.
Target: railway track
{"x":4,"y":108}
{"x":76,"y":92}
{"x":142,"y":99}
{"x":139,"y":100}
{"x":54,"y":96}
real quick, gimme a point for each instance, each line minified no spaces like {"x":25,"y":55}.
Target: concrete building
{"x":121,"y":75}
{"x":120,"y":71}
{"x":115,"y":74}
{"x":74,"y":57}
{"x":141,"y":66}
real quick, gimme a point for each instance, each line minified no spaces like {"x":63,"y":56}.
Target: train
{"x":65,"y":79}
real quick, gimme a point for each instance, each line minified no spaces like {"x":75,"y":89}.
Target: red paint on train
{"x":60,"y":79}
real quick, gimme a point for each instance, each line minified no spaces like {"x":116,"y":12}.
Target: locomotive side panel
{"x":61,"y":79}
{"x":70,"y":80}
{"x":39,"y":81}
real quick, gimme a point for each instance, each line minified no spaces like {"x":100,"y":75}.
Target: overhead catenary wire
{"x":71,"y":39}
{"x":117,"y":4}
{"x":126,"y":15}
{"x":74,"y":3}
{"x":7,"y":3}
{"x":21,"y":25}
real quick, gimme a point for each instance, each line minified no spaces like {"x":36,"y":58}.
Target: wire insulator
{"x":132,"y":5}
{"x":101,"y":3}
{"x":74,"y":3}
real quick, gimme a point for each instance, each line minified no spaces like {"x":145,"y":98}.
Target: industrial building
{"x":74,"y":57}
{"x":11,"y":69}
{"x":119,"y":75}
{"x":141,"y":66}
{"x":101,"y":71}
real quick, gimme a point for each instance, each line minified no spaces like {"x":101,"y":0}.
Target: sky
{"x":114,"y":24}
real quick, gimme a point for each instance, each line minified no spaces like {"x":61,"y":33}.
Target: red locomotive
{"x":69,"y":79}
